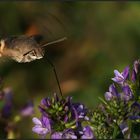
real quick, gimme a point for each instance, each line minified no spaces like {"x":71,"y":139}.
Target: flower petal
{"x":118,"y":74}
{"x":36,"y":121}
{"x":40,"y":130}
{"x":56,"y":135}
{"x":27,"y":111}
{"x":108,"y":96}
{"x":88,"y":134}
{"x":46,"y":122}
{"x":137,"y":66}
{"x":125,"y":72}
{"x":127,"y":93}
{"x":133,"y":76}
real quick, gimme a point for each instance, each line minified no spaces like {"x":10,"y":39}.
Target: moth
{"x":24,"y":48}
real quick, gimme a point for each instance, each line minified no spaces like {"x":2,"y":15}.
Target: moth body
{"x":16,"y":48}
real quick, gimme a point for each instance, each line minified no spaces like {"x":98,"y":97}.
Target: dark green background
{"x":102,"y":36}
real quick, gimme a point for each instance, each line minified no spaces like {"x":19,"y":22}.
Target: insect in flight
{"x":24,"y":48}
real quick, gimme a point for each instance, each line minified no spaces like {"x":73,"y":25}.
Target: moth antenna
{"x":53,"y":42}
{"x":49,"y":43}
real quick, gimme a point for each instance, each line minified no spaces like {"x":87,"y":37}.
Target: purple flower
{"x":120,"y":78}
{"x":56,"y":135}
{"x":134,"y":117}
{"x":69,"y":134}
{"x":63,"y":107}
{"x":87,"y":133}
{"x":133,"y":76}
{"x":27,"y":110}
{"x":135,"y":109}
{"x":8,"y":103}
{"x":124,"y":128}
{"x":112,"y":93}
{"x":42,"y":127}
{"x":6,"y":110}
{"x":108,"y":96}
{"x":45,"y":102}
{"x":127,"y":93}
{"x":64,"y":118}
{"x":135,"y":70}
{"x":136,"y":105}
{"x":137,"y":66}
{"x":81,"y":111}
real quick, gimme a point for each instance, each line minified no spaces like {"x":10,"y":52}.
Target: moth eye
{"x":29,"y":57}
{"x":33,"y":53}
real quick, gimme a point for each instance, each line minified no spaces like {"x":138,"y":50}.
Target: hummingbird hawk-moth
{"x":24,"y":48}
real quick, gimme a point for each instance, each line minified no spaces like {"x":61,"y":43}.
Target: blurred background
{"x":101,"y":37}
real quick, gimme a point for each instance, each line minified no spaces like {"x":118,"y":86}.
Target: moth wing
{"x":38,"y":38}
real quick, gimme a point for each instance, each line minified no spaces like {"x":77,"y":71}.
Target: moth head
{"x":33,"y":55}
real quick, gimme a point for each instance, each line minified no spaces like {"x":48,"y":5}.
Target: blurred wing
{"x":49,"y":25}
{"x":38,"y":38}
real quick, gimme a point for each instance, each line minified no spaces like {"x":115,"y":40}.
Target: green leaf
{"x":103,"y":101}
{"x":135,"y":130}
{"x":117,"y":133}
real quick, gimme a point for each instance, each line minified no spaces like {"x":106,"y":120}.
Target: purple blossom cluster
{"x":125,"y":91}
{"x":124,"y":80}
{"x":7,"y":103}
{"x":7,"y":118}
{"x":117,"y":117}
{"x":121,"y":79}
{"x":62,"y":119}
{"x":126,"y":84}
